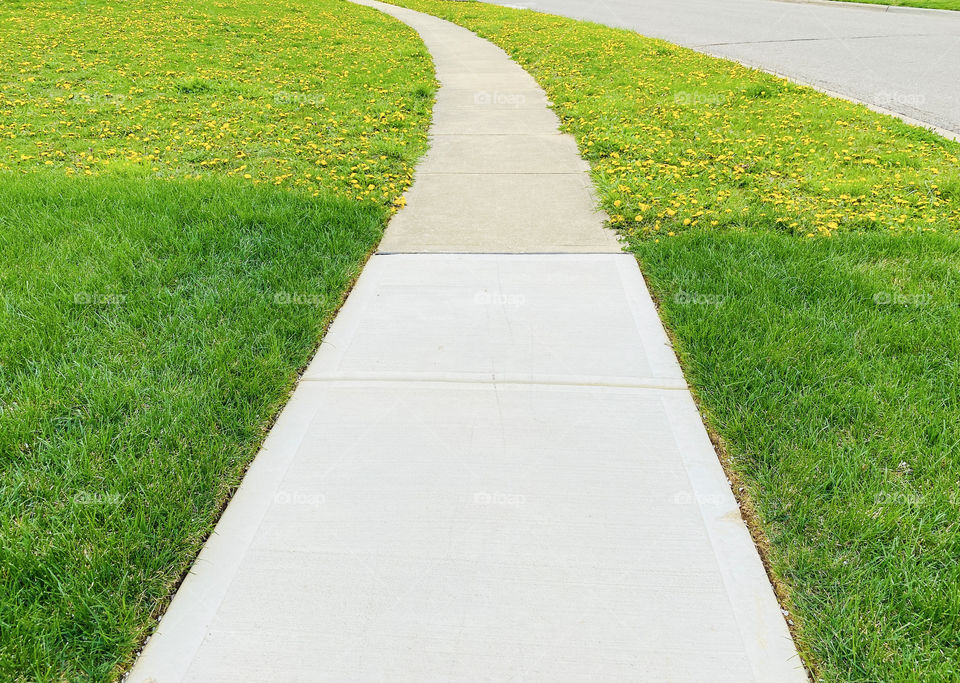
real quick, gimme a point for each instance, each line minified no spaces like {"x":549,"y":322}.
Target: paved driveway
{"x":906,"y":61}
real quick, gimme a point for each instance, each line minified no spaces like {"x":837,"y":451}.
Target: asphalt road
{"x":904,"y":61}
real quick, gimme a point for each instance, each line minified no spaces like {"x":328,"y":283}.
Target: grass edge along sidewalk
{"x":805,"y":255}
{"x":181,"y":213}
{"x":922,"y":4}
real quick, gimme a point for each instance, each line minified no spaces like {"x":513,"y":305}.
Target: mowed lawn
{"x":806,"y":259}
{"x":187,"y":190}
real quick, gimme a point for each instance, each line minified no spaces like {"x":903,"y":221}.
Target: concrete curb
{"x":874,"y":7}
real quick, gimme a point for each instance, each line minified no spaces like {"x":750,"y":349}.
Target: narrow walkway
{"x":493,"y":469}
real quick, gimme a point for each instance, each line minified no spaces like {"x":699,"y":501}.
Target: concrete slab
{"x":463,"y":531}
{"x":485,"y":120}
{"x":467,"y":80}
{"x":516,"y":213}
{"x":503,"y":154}
{"x":545,"y":319}
{"x":492,"y":65}
{"x":491,"y":98}
{"x":512,"y":189}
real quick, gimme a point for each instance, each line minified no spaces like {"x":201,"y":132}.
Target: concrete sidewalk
{"x":492,"y":469}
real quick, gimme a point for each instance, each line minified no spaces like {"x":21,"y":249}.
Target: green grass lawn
{"x":806,"y":258}
{"x":187,"y":190}
{"x":929,"y":4}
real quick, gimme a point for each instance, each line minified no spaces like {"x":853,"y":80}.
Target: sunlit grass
{"x":187,"y":190}
{"x":312,"y":96}
{"x":679,"y":140}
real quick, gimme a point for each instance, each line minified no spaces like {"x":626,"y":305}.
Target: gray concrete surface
{"x":493,"y":468}
{"x":499,"y":177}
{"x":567,"y":319}
{"x":907,"y":62}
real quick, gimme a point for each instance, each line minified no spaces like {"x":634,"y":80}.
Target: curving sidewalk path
{"x":493,"y":468}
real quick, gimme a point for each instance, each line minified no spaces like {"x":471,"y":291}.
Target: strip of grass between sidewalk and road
{"x":805,"y":255}
{"x":187,"y":191}
{"x":926,"y":4}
